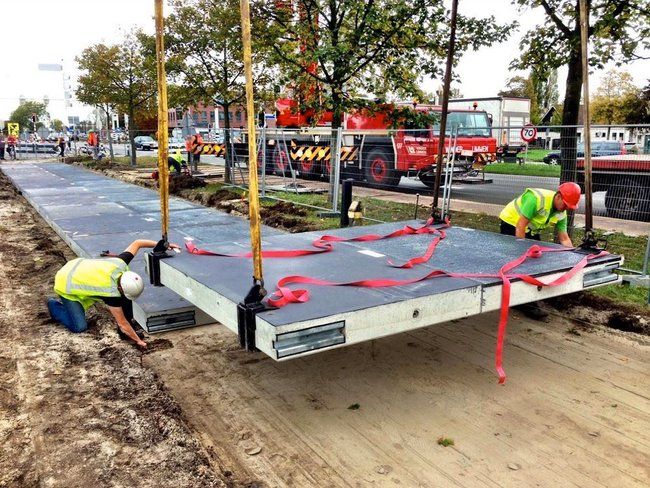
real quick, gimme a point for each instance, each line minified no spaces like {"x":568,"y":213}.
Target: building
{"x":208,"y":116}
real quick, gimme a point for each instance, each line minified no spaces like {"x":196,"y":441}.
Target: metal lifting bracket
{"x":153,"y":261}
{"x":593,"y":243}
{"x":246,"y":312}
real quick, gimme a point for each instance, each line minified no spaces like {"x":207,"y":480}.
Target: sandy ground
{"x":89,"y":410}
{"x":80,"y":410}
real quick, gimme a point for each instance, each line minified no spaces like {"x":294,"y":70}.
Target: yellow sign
{"x":13,"y":128}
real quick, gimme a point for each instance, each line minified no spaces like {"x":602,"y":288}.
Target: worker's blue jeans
{"x":69,"y":313}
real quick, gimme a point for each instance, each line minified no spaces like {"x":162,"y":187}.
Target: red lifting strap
{"x":325,"y":244}
{"x":283,"y":295}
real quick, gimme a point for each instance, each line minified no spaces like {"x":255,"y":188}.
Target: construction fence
{"x":484,"y":166}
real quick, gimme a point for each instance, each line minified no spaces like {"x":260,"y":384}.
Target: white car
{"x":176,"y":143}
{"x":145,"y":143}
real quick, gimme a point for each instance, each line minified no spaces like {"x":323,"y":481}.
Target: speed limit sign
{"x":529,"y":132}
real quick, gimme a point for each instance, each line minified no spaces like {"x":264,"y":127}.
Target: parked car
{"x":598,"y":148}
{"x":145,"y":143}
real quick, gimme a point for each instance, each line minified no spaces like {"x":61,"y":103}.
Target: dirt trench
{"x":81,"y":409}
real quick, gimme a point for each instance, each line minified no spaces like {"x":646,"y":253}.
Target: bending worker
{"x":82,"y":282}
{"x":537,"y":209}
{"x":174,"y":162}
{"x":533,"y":211}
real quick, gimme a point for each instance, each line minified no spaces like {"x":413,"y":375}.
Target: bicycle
{"x":11,"y":152}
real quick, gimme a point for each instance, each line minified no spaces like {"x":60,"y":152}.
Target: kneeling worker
{"x":535,"y":210}
{"x":82,"y":282}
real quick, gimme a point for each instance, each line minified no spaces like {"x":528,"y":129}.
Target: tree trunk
{"x":570,"y":116}
{"x":132,"y":135}
{"x":226,"y":140}
{"x":110,"y":139}
{"x":337,"y":107}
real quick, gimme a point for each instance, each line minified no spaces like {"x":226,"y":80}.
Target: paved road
{"x":503,"y":189}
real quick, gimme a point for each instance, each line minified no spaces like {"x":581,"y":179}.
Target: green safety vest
{"x":543,"y":218}
{"x":86,"y":280}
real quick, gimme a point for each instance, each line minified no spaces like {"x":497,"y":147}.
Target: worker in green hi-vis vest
{"x":535,"y":210}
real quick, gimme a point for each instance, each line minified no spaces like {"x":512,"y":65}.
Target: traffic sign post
{"x":528,"y":134}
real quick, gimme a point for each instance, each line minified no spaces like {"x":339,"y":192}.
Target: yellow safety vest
{"x":543,"y":218}
{"x":86,"y":280}
{"x":178,"y":156}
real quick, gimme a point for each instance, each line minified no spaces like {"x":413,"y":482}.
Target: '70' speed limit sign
{"x":529,"y":132}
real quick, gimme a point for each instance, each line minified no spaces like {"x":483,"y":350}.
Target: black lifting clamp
{"x":153,"y":261}
{"x":593,"y":243}
{"x":246,"y":312}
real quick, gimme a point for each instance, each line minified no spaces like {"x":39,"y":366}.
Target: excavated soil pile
{"x":80,"y":409}
{"x":587,"y":308}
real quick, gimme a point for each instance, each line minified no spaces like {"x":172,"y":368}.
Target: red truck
{"x":371,"y":150}
{"x":626,"y":179}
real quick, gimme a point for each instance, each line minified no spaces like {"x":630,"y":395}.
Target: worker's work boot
{"x":533,"y":311}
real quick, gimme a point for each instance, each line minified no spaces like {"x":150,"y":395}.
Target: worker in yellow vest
{"x":82,"y":282}
{"x":535,"y":210}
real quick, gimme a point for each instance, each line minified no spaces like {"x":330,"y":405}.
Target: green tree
{"x":331,"y":51}
{"x":121,"y":76}
{"x":23,"y":114}
{"x":611,"y":101}
{"x":619,"y":30}
{"x":544,"y":83}
{"x":57,"y":125}
{"x":205,"y":57}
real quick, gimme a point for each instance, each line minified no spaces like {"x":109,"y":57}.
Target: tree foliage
{"x":617,"y":100}
{"x":619,"y":30}
{"x":120,"y":76}
{"x":205,"y":53}
{"x":332,"y":51}
{"x":23,"y":114}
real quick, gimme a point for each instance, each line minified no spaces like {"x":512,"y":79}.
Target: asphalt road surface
{"x":503,"y":189}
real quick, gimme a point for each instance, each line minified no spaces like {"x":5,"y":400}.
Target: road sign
{"x":529,"y":133}
{"x":13,"y":128}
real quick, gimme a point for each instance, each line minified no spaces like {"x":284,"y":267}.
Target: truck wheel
{"x":379,"y":169}
{"x":307,"y":169}
{"x":429,"y":179}
{"x":628,"y":199}
{"x":280,"y":162}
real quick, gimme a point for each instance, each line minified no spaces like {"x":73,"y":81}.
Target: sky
{"x":56,"y":31}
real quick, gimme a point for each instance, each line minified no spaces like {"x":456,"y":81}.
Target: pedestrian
{"x":61,"y":143}
{"x":2,"y":147}
{"x":197,"y":157}
{"x":11,"y":146}
{"x":82,"y":282}
{"x":535,"y":210}
{"x":93,"y":142}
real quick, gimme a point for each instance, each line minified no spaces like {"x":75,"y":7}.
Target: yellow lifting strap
{"x":163,"y":147}
{"x":253,"y":196}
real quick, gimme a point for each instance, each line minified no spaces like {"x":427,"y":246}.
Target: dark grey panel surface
{"x":463,"y":251}
{"x":98,"y":213}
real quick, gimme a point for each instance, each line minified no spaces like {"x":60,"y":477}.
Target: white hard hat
{"x":131,"y":284}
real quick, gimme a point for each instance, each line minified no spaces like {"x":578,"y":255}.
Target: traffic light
{"x":34,"y":119}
